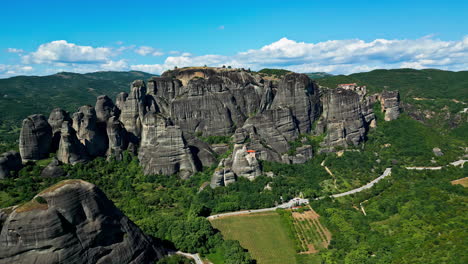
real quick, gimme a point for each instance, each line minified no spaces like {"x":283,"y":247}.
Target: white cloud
{"x":12,"y":70}
{"x":60,"y":51}
{"x":339,"y":56}
{"x":13,"y":50}
{"x":334,"y":56}
{"x":221,"y":27}
{"x":146,"y":50}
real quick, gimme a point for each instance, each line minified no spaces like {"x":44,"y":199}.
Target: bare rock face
{"x":71,"y":150}
{"x":300,"y":94}
{"x":72,"y":222}
{"x":346,"y":118}
{"x":133,"y":109}
{"x":88,"y":132}
{"x":390,"y":103}
{"x":53,"y":170}
{"x":163,"y":149}
{"x":35,"y":138}
{"x":242,"y":163}
{"x":56,"y":118}
{"x":117,"y":136}
{"x":9,"y":161}
{"x":105,"y":108}
{"x":203,"y":154}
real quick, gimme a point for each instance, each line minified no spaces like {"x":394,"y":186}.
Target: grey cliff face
{"x":72,"y":222}
{"x":163,"y":149}
{"x":133,"y":109}
{"x":71,"y":150}
{"x":85,"y":123}
{"x":117,"y":136}
{"x":105,"y":108}
{"x":9,"y":161}
{"x":299,"y":93}
{"x":159,"y":121}
{"x":346,"y":118}
{"x":35,"y":138}
{"x":390,"y":103}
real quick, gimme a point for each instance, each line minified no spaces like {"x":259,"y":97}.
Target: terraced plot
{"x":312,"y":235}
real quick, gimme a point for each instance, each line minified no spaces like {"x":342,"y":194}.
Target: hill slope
{"x":25,"y":95}
{"x":411,"y":83}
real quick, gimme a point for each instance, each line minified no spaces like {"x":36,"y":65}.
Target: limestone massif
{"x":166,"y":119}
{"x":72,"y":222}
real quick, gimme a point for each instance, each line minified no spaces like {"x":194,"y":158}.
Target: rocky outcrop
{"x":53,"y":170}
{"x":9,"y":161}
{"x":72,"y":222}
{"x":117,"y":135}
{"x":56,"y":118}
{"x":71,"y":150}
{"x":133,"y":109}
{"x":390,"y":104}
{"x":105,"y":108}
{"x":300,"y":94}
{"x":163,"y":149}
{"x":346,"y":118}
{"x":88,"y":132}
{"x":35,"y":138}
{"x":242,"y":163}
{"x":158,"y":121}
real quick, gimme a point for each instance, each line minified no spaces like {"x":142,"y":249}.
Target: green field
{"x":263,"y":234}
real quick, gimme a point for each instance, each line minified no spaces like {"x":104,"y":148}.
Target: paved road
{"x":297,"y":201}
{"x":455,"y":163}
{"x":195,"y":257}
{"x":289,"y":204}
{"x":386,"y":173}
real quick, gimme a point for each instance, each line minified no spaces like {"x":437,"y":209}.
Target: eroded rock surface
{"x":9,"y":161}
{"x":72,"y":222}
{"x":346,"y":118}
{"x":390,"y":103}
{"x":35,"y":138}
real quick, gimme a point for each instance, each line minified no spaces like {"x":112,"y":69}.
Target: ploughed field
{"x":266,"y":237}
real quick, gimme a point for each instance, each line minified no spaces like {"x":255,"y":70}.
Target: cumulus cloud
{"x":339,"y":56}
{"x":14,"y":50}
{"x":12,"y":70}
{"x":146,"y":50}
{"x":333,"y":56}
{"x":60,"y":51}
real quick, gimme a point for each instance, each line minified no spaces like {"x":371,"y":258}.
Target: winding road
{"x":297,"y":201}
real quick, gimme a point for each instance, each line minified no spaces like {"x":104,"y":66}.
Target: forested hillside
{"x":411,"y":83}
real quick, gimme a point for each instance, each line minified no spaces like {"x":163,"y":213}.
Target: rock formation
{"x":390,"y":104}
{"x":35,"y":138}
{"x":53,"y":170}
{"x":9,"y":161}
{"x":88,"y":132}
{"x":117,"y":136}
{"x":164,"y":122}
{"x":105,"y":108}
{"x":56,"y":118}
{"x":346,"y":118}
{"x":242,"y":163}
{"x":163,"y":149}
{"x":72,"y":222}
{"x":71,"y":150}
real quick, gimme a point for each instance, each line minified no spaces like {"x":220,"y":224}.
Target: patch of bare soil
{"x":463,"y":182}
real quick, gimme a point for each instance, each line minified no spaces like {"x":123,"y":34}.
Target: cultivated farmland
{"x":262,"y":234}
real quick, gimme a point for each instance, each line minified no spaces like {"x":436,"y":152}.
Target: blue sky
{"x":43,"y":37}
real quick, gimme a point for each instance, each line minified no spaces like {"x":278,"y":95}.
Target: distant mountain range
{"x":21,"y":96}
